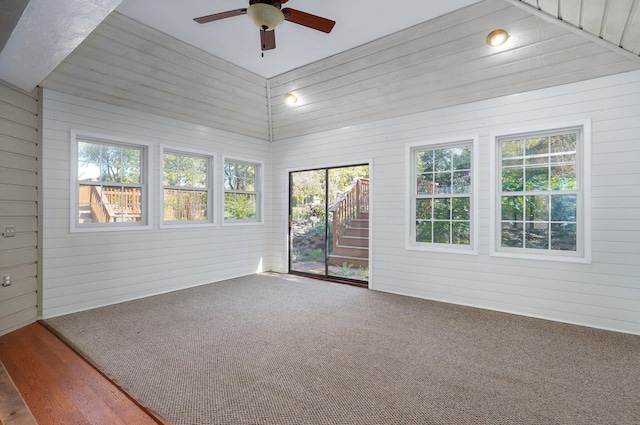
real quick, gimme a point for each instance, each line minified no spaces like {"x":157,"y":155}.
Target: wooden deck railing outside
{"x":110,"y":203}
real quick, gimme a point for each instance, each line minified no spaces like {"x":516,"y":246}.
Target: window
{"x":441,"y":207}
{"x":541,"y":199}
{"x":187,"y":187}
{"x":111,"y":188}
{"x":242,"y":191}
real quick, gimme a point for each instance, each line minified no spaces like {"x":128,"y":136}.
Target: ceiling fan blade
{"x":218,"y":16}
{"x":308,"y":20}
{"x":267,"y":40}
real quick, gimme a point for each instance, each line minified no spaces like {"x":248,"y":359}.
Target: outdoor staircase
{"x":350,"y":224}
{"x":352,"y":246}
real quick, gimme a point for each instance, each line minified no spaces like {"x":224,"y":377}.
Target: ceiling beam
{"x":45,"y":34}
{"x":9,"y":17}
{"x":582,"y":33}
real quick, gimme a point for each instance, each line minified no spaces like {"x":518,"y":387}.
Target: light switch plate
{"x":9,"y":231}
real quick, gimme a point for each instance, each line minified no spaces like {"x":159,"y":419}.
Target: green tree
{"x":109,"y":163}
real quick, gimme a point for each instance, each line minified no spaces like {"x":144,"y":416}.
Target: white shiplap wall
{"x":19,"y":192}
{"x":85,"y":270}
{"x":125,"y":63}
{"x":603,"y":294}
{"x":436,"y":64}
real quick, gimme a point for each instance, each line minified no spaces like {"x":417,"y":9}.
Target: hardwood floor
{"x":59,"y":387}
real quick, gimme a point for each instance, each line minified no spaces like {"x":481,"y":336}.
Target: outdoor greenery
{"x":109,"y":163}
{"x":185,"y":180}
{"x":310,"y":191}
{"x":241,"y":190}
{"x":442,"y":197}
{"x":539,"y":192}
{"x":109,"y":182}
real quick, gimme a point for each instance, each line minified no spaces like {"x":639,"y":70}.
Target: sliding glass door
{"x":329,"y":223}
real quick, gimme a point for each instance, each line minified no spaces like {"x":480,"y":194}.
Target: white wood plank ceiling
{"x":615,"y":21}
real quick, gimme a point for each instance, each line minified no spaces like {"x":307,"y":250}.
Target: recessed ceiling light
{"x":290,"y":98}
{"x":497,"y":37}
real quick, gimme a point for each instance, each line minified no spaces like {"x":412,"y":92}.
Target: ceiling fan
{"x":267,"y":15}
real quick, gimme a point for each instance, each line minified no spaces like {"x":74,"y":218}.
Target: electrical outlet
{"x":7,"y":280}
{"x":9,"y":231}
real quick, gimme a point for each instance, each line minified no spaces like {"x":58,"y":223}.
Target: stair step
{"x":339,"y":260}
{"x":354,"y":241}
{"x":351,"y":251}
{"x":358,"y":223}
{"x":350,"y":231}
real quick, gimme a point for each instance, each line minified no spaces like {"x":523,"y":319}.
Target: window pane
{"x":537,"y":208}
{"x":131,"y":165}
{"x":537,"y":146}
{"x":425,"y":184}
{"x":513,"y":208}
{"x":536,"y":178}
{"x":442,"y":159}
{"x":512,"y":179}
{"x":112,"y":200}
{"x":230,"y":182}
{"x":100,"y":162}
{"x":563,"y":236}
{"x":424,"y":162}
{"x":246,"y":184}
{"x":512,"y":149}
{"x":537,"y":235}
{"x":240,"y":206}
{"x":564,"y":208}
{"x":461,"y":158}
{"x":442,"y":209}
{"x":461,"y":233}
{"x":423,"y":231}
{"x":563,"y":177}
{"x":423,"y":209}
{"x":88,"y":161}
{"x":564,"y":143}
{"x":512,"y":234}
{"x":461,"y":208}
{"x":442,"y":232}
{"x":443,"y":182}
{"x":462,"y":182}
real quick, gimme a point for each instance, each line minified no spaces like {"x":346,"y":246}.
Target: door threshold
{"x":349,"y":282}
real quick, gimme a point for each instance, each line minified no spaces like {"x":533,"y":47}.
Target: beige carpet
{"x":272,"y":349}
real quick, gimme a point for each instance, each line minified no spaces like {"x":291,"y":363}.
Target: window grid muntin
{"x":571,"y":158}
{"x":433,"y":223}
{"x":123,"y":219}
{"x":184,"y":212}
{"x":247,"y":175}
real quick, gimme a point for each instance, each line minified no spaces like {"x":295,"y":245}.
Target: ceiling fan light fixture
{"x":265,"y":16}
{"x":497,"y":37}
{"x":290,"y":98}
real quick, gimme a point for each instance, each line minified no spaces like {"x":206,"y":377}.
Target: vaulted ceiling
{"x":114,"y":58}
{"x":49,"y":30}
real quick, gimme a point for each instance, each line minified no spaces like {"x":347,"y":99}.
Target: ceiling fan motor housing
{"x":274,"y":3}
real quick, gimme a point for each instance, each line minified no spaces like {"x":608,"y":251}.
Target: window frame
{"x":259,"y":192}
{"x":210,"y":188}
{"x":583,"y":193}
{"x":412,"y":195}
{"x":146,"y":217}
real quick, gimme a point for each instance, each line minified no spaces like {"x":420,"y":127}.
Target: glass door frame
{"x":327,"y":239}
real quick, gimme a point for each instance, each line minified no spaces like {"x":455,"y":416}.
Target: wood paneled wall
{"x":128,"y":64}
{"x":436,"y":64}
{"x":19,"y":186}
{"x":605,"y":293}
{"x":88,"y":269}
